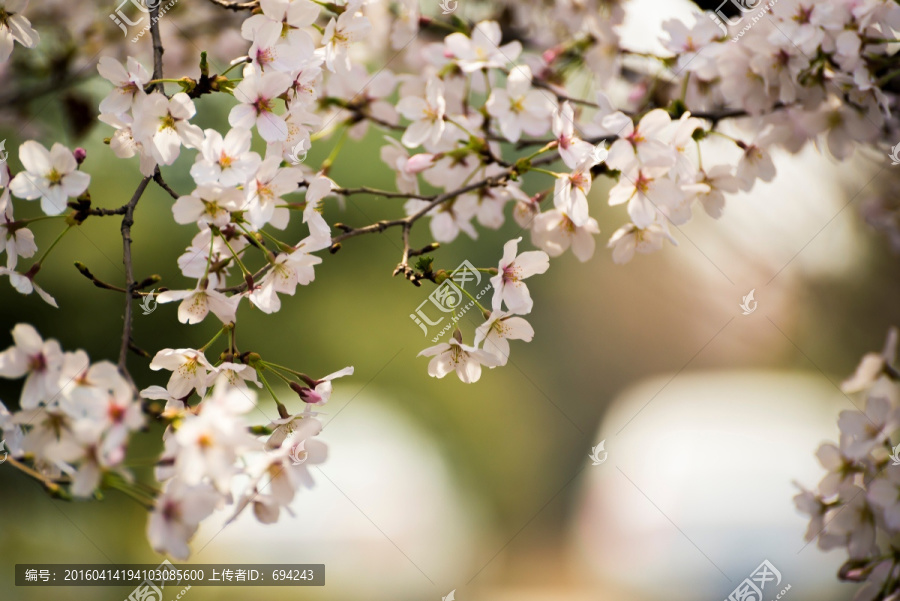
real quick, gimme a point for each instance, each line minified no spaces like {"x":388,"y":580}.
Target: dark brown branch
{"x":380,"y":226}
{"x":158,"y":178}
{"x":384,"y":193}
{"x":403,"y":267}
{"x":157,"y":47}
{"x":106,"y":212}
{"x":127,"y":222}
{"x":83,"y":270}
{"x":128,"y":218}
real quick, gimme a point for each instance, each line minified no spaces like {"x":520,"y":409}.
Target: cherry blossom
{"x":257,"y":93}
{"x":38,"y":361}
{"x":15,"y":27}
{"x":520,"y":108}
{"x":179,"y":511}
{"x":630,"y":238}
{"x":196,"y":304}
{"x":427,"y":115}
{"x":340,"y":33}
{"x":162,"y":125}
{"x":17,"y":241}
{"x":129,"y":83}
{"x":288,"y":270}
{"x":225,"y":160}
{"x":52,"y":176}
{"x":190,"y":370}
{"x":483,"y":49}
{"x":209,"y":203}
{"x":264,"y":192}
{"x":570,"y":193}
{"x":494,"y":334}
{"x":554,"y":232}
{"x":320,"y":390}
{"x":465,"y":360}
{"x":514,"y":267}
{"x":572,"y":149}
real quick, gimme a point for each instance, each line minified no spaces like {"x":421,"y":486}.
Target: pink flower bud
{"x":418,"y":163}
{"x":80,"y":154}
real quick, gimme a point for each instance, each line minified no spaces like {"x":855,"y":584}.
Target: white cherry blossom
{"x":50,"y":175}
{"x":163,"y":125}
{"x":509,"y":288}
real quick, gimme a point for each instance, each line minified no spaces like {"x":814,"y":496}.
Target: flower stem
{"x":55,"y":242}
{"x":282,"y":410}
{"x":227,"y":326}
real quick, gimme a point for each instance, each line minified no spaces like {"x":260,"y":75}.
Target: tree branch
{"x":158,"y":178}
{"x":127,"y":222}
{"x":384,"y":193}
{"x":157,"y":47}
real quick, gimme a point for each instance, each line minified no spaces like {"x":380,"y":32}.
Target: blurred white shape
{"x":384,"y":510}
{"x":699,"y":490}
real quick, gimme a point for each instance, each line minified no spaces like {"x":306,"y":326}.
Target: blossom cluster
{"x":75,"y":416}
{"x":478,"y":127}
{"x":491,"y":345}
{"x":856,"y":506}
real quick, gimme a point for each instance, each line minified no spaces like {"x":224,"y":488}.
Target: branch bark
{"x":128,"y":217}
{"x":127,"y":222}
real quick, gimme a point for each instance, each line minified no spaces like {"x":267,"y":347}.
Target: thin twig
{"x":158,"y":178}
{"x":49,"y":484}
{"x":384,"y":193}
{"x":127,"y":222}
